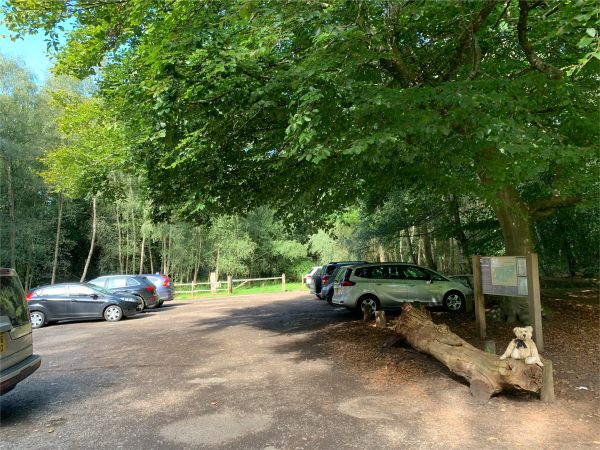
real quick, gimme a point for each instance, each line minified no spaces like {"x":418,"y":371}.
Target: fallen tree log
{"x":486,"y":373}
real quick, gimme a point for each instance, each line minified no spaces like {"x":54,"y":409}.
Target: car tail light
{"x":347,"y":283}
{"x":165,"y":281}
{"x":149,"y":288}
{"x":308,"y":278}
{"x":325,"y":279}
{"x":28,"y":296}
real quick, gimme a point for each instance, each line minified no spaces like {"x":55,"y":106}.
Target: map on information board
{"x":504,"y":275}
{"x":504,"y":271}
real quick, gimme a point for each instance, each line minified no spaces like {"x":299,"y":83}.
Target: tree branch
{"x":506,"y":5}
{"x":544,"y":207}
{"x":466,"y":38}
{"x":534,"y":60}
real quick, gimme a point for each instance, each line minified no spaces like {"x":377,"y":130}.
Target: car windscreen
{"x":12,"y":301}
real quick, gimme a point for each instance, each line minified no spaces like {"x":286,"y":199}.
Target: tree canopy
{"x":309,"y":106}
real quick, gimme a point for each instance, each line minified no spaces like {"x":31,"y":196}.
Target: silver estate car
{"x":389,"y":285}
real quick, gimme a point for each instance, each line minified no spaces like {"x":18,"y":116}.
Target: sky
{"x":31,"y":50}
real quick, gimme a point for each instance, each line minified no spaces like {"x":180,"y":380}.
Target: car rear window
{"x":339,"y":276}
{"x":51,"y":291}
{"x":116,"y":282}
{"x":12,"y":301}
{"x":156,"y":280}
{"x":132,"y":282}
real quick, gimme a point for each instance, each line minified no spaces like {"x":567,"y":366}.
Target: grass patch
{"x":257,"y":288}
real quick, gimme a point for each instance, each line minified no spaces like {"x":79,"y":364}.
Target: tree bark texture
{"x":92,"y":241}
{"x":486,"y":373}
{"x":411,"y":249}
{"x":57,"y":242}
{"x":11,"y":213}
{"x":515,"y":221}
{"x":427,"y":247}
{"x":120,"y":239}
{"x":142,"y":253}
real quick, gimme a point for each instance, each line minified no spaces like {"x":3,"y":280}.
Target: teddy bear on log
{"x":523,"y":347}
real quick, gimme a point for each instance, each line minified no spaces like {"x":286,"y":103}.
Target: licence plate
{"x":2,"y":343}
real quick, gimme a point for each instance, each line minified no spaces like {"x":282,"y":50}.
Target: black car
{"x":69,"y":301}
{"x":325,"y":289}
{"x":137,"y":285}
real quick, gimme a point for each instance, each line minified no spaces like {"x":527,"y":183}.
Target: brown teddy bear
{"x":523,"y":347}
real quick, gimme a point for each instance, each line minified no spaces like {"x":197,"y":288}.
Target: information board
{"x":504,"y":275}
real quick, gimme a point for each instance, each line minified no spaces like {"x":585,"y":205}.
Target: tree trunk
{"x":411,"y":249}
{"x":169,"y":267}
{"x":57,"y":242}
{"x":486,"y":373}
{"x":133,"y":241}
{"x":197,"y":262}
{"x":426,"y":239}
{"x":92,"y":242}
{"x":142,"y":253}
{"x":459,"y":233}
{"x":126,"y":243}
{"x":164,"y":255}
{"x":515,"y":222}
{"x":120,"y":239}
{"x":150,"y":257}
{"x":11,"y":214}
{"x":217,"y":264}
{"x":381,"y":253}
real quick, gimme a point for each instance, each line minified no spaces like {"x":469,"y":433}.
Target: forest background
{"x":253,"y":140}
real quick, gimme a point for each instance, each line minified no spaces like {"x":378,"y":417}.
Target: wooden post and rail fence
{"x":213,"y":285}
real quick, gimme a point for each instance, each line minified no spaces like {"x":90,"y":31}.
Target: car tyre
{"x":330,"y":297}
{"x":369,"y":300}
{"x":141,"y":303}
{"x":37,"y":318}
{"x":113,"y":313}
{"x":454,"y":301}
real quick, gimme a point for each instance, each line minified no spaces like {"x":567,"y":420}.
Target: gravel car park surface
{"x":250,"y":372}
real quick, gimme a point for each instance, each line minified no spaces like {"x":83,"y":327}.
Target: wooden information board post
{"x":514,"y":276}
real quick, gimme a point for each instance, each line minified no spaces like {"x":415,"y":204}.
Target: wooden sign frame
{"x":533,"y":297}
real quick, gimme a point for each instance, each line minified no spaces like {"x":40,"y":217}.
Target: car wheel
{"x":113,"y":313}
{"x":371,"y":301}
{"x":454,"y":301}
{"x":38,"y":319}
{"x":141,"y":303}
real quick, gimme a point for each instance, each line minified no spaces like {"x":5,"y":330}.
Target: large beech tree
{"x":310,"y":105}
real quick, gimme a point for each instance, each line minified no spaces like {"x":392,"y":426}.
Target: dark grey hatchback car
{"x":137,"y":285}
{"x":71,"y":301}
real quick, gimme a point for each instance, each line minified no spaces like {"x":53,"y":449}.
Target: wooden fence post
{"x":283,"y":282}
{"x":213,"y":282}
{"x":533,"y":297}
{"x":229,"y":284}
{"x":547,"y":392}
{"x":479,"y":298}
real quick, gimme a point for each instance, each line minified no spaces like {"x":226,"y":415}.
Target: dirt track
{"x":260,"y":372}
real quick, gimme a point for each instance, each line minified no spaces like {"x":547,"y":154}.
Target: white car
{"x":309,"y":280}
{"x":389,"y":285}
